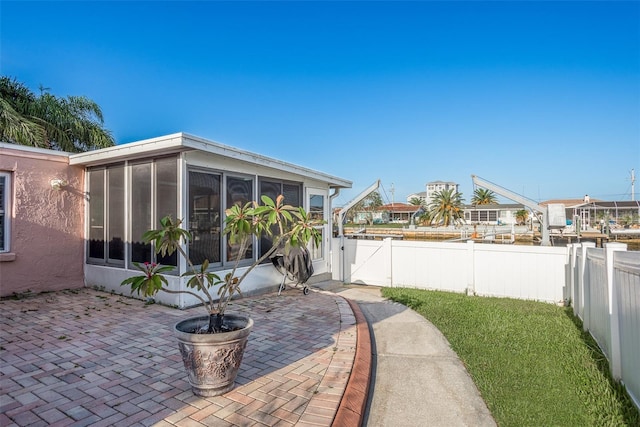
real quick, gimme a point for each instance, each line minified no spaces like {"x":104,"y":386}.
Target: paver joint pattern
{"x":85,"y":357}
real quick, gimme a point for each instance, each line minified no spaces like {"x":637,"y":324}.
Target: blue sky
{"x":542,"y":98}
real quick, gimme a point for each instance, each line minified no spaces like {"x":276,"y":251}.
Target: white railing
{"x":602,"y":285}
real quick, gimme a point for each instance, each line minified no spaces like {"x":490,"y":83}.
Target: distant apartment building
{"x":436,"y":186}
{"x":432,"y":188}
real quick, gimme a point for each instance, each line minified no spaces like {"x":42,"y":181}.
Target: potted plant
{"x":212,"y":346}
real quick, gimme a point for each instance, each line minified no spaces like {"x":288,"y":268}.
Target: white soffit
{"x":149,"y":147}
{"x":184,"y":142}
{"x":29,"y":151}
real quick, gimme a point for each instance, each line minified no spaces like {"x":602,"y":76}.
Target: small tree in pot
{"x":212,"y":371}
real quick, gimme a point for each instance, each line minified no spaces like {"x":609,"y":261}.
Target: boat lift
{"x":552,"y":216}
{"x":341,"y":218}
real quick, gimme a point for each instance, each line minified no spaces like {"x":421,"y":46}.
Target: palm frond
{"x":72,"y":124}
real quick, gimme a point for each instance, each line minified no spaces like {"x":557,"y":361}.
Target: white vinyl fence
{"x":526,"y":272}
{"x":602,"y":285}
{"x":606,"y":289}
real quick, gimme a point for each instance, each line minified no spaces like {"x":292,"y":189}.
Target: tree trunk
{"x":215,"y":323}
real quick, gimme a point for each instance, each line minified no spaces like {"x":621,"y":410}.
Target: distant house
{"x":72,"y":220}
{"x":587,"y":212}
{"x":497,"y":214}
{"x":368,"y":217}
{"x":399,"y":212}
{"x":593,"y":212}
{"x":494,"y":214}
{"x":392,"y":212}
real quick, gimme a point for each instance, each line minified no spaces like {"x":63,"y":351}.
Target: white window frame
{"x":315,"y":255}
{"x":5,"y":210}
{"x":127,"y":263}
{"x":213,"y":265}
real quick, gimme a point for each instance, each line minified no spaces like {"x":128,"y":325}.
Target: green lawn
{"x":531,"y":361}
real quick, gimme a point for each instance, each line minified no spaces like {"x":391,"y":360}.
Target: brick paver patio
{"x":85,"y":357}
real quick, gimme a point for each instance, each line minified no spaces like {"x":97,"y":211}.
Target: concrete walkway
{"x":417,"y":380}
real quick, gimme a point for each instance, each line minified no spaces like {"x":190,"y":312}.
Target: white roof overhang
{"x":180,"y":142}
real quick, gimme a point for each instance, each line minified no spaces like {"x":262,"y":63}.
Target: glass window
{"x":270,"y":188}
{"x":116,"y":214}
{"x":204,"y":217}
{"x":166,"y":199}
{"x":239,"y":192}
{"x":316,"y":207}
{"x":153,"y":192}
{"x":273,"y":190}
{"x":154,"y":195}
{"x":96,"y":214}
{"x":484,"y":216}
{"x":166,"y":188}
{"x":4,"y":212}
{"x":140,"y":211}
{"x":292,"y":193}
{"x":106,"y":214}
{"x":316,"y":212}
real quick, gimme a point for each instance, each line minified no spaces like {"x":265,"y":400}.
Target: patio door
{"x":317,"y":202}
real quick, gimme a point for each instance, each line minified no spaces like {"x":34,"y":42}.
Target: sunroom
{"x":130,"y":187}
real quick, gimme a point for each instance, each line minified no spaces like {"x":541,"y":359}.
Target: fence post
{"x":583,"y":275}
{"x":471,"y":269}
{"x":337,"y":258}
{"x":345,"y":267}
{"x":614,"y":320}
{"x":572,"y":275}
{"x":387,"y":251}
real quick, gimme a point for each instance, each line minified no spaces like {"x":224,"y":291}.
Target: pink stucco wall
{"x":46,"y":239}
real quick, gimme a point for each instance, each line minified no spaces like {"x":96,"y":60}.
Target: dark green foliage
{"x":72,"y":124}
{"x":446,"y":208}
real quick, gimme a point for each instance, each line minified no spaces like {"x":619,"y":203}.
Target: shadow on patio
{"x":85,"y":357}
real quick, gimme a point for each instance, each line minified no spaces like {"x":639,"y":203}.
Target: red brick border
{"x":354,"y":400}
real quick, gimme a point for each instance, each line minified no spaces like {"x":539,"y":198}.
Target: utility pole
{"x":392,"y":191}
{"x":633,"y":186}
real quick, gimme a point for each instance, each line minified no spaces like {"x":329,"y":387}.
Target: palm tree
{"x":446,"y":207}
{"x":424,"y":219}
{"x":416,"y":201}
{"x":73,"y":124}
{"x":482,"y":196}
{"x":521,"y":216}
